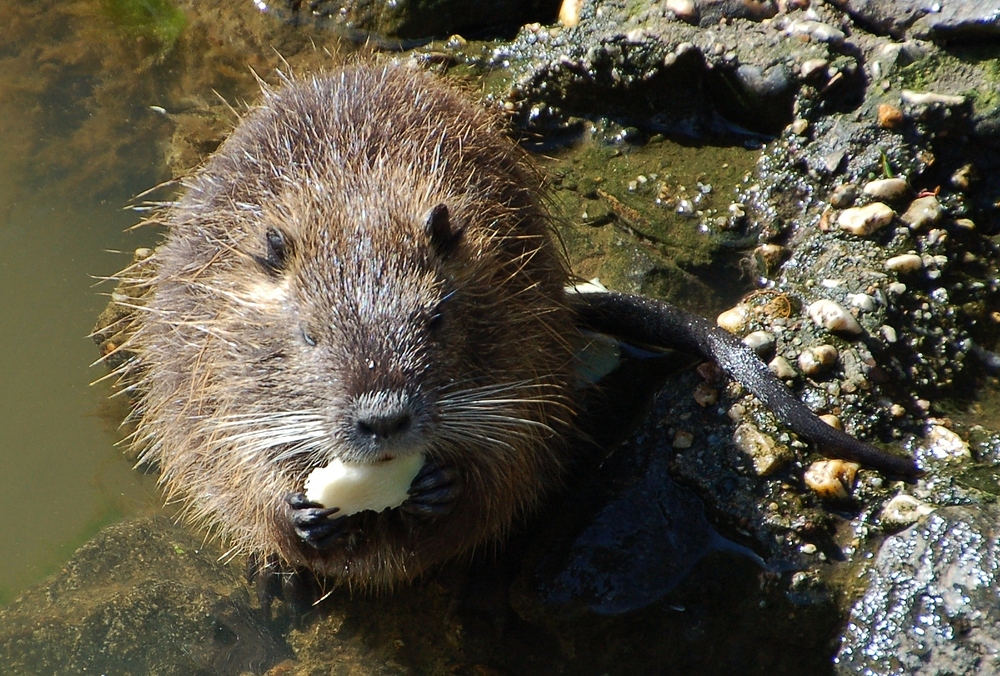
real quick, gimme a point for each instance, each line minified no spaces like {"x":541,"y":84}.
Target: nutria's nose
{"x":383,"y":426}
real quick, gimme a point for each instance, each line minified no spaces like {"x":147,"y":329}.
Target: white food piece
{"x":355,"y":487}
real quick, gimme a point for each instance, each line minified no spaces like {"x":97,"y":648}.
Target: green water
{"x":62,"y":476}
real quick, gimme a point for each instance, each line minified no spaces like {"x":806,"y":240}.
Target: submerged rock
{"x":142,"y":597}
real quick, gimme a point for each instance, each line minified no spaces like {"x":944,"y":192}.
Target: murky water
{"x":62,"y":476}
{"x":90,"y":93}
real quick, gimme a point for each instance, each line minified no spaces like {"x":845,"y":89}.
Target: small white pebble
{"x":904,"y":263}
{"x":924,"y":211}
{"x":866,"y":220}
{"x":780,"y":367}
{"x":818,"y":359}
{"x":862,"y":301}
{"x":904,"y":510}
{"x":888,"y":189}
{"x":833,"y":317}
{"x":945,"y":444}
{"x":733,"y":319}
{"x":926,"y":98}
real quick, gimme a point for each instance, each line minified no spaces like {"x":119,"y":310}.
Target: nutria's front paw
{"x":434,"y":491}
{"x":312,"y":521}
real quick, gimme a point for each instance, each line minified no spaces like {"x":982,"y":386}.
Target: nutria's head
{"x":361,"y":271}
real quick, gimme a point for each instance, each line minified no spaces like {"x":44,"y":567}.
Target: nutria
{"x":363,"y":271}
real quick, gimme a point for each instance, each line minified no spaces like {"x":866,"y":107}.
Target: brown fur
{"x":236,"y":407}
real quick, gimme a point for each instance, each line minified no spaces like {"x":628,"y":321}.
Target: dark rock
{"x":142,"y":597}
{"x":933,"y":604}
{"x":927,"y":18}
{"x":710,"y":12}
{"x":423,"y":19}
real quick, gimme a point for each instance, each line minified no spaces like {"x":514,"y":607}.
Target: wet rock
{"x":761,"y":342}
{"x":902,"y":511}
{"x":944,"y":444}
{"x":734,"y":319}
{"x":888,"y":189}
{"x":866,"y":220}
{"x":904,"y":263}
{"x":780,"y":367}
{"x":833,"y":317}
{"x":816,"y":360}
{"x":923,"y":212}
{"x":843,"y":196}
{"x":927,"y":18}
{"x":831,"y":479}
{"x":933,"y":603}
{"x":422,"y":19}
{"x":146,"y":594}
{"x":768,"y":456}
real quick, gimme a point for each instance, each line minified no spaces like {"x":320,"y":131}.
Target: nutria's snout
{"x":385,"y":423}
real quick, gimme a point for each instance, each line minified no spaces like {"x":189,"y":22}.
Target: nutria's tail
{"x":648,"y":321}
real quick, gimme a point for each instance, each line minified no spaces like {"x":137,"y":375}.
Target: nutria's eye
{"x":276,"y":251}
{"x":307,"y":337}
{"x":435,"y":318}
{"x":443,"y":234}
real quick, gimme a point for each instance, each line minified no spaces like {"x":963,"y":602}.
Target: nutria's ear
{"x":444,"y":236}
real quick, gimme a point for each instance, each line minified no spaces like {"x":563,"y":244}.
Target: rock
{"x":843,"y":196}
{"x":813,"y":67}
{"x":925,"y":19}
{"x":929,"y":99}
{"x":833,"y":317}
{"x":817,"y":360}
{"x":832,"y":421}
{"x":569,"y":12}
{"x":944,"y":444}
{"x":761,"y":342}
{"x":816,"y":31}
{"x":831,"y":479}
{"x":864,"y":221}
{"x":862,"y":301}
{"x":902,"y":511}
{"x":767,"y":455}
{"x":769,"y":257}
{"x":685,"y":10}
{"x":734,"y":319}
{"x":888,"y":189}
{"x":780,"y":367}
{"x":890,"y":117}
{"x":147,"y":594}
{"x":923,"y":212}
{"x":933,"y":601}
{"x":904,"y":263}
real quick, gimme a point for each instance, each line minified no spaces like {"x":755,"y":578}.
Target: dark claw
{"x":312,"y":521}
{"x":272,"y":581}
{"x":434,"y":491}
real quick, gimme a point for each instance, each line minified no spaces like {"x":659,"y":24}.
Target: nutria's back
{"x":361,"y":271}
